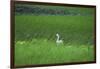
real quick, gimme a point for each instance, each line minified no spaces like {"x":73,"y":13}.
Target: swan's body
{"x":58,"y":41}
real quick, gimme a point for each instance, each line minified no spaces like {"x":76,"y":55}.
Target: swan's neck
{"x":57,"y":38}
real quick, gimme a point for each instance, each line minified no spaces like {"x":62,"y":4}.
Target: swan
{"x":58,"y":40}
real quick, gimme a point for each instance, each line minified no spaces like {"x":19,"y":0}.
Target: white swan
{"x":58,"y":40}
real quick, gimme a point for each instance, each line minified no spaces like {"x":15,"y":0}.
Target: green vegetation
{"x":52,"y":10}
{"x":47,"y":52}
{"x":73,"y":29}
{"x":35,"y":38}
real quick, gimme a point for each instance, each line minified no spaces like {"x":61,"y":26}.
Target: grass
{"x":35,"y":39}
{"x":81,"y":27}
{"x":46,"y":52}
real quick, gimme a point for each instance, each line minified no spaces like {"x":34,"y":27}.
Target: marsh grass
{"x":35,"y":40}
{"x":47,"y":52}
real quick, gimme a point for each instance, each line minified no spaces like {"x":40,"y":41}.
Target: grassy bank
{"x":47,"y":52}
{"x":35,"y":40}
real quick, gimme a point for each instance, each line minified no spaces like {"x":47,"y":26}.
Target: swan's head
{"x":57,"y":34}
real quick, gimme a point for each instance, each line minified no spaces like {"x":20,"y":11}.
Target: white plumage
{"x":58,"y":40}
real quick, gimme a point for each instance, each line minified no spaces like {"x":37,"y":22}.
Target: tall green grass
{"x":46,"y":52}
{"x":71,"y":28}
{"x":35,"y":40}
